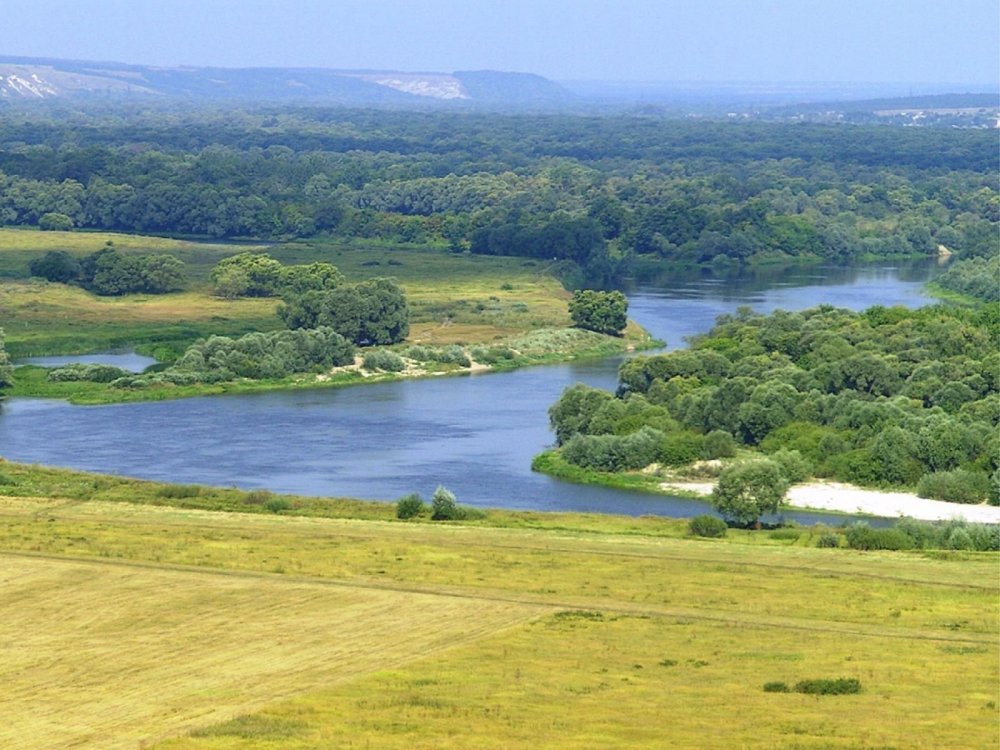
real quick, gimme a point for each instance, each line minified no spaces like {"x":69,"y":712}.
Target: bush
{"x":383,"y":359}
{"x":276,"y":505}
{"x":707,"y":526}
{"x":680,"y":448}
{"x":958,"y":486}
{"x":444,"y":506}
{"x":258,"y":497}
{"x":776,"y":687}
{"x":452,"y":355}
{"x":418,"y":353}
{"x":178,"y":491}
{"x":839,"y":686}
{"x":793,"y":465}
{"x":93,"y":373}
{"x":718,"y":444}
{"x":864,"y":537}
{"x":828,"y":540}
{"x":409,"y":506}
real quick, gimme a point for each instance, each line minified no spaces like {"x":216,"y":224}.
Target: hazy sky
{"x":932,"y":41}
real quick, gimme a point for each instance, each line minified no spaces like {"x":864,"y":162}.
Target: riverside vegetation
{"x":498,"y":313}
{"x":886,"y":397}
{"x":509,"y":630}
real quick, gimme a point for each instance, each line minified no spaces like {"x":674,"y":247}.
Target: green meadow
{"x":194,"y":617}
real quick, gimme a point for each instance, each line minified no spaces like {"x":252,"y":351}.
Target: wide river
{"x":475,"y":435}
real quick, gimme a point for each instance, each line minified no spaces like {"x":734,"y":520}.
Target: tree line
{"x":108,"y":272}
{"x":594,"y":190}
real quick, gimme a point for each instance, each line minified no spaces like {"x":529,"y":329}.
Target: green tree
{"x":260,"y":273}
{"x":604,"y":312}
{"x":372,"y":312}
{"x":56,"y":265}
{"x":55,"y":222}
{"x":444,"y":506}
{"x":409,"y":506}
{"x":747,"y":491}
{"x":161,"y":273}
{"x":575,"y":409}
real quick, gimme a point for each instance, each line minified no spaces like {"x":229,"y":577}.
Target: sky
{"x":930,"y":41}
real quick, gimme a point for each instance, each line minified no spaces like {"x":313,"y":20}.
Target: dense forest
{"x":887,"y":397}
{"x":598,"y":191}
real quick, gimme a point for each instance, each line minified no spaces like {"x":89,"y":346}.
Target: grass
{"x":292,"y":630}
{"x":454,"y":299}
{"x":139,"y":652}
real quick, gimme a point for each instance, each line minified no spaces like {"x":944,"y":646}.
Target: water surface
{"x":474,"y":434}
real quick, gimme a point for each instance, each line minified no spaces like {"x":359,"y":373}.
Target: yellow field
{"x":111,"y":655}
{"x":126,"y":622}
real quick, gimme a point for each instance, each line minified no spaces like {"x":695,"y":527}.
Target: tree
{"x":56,"y":265}
{"x":604,"y":312}
{"x":6,"y":369}
{"x":372,"y":312}
{"x":444,"y":506}
{"x":260,"y":273}
{"x":55,"y":222}
{"x":747,"y":491}
{"x":161,"y":273}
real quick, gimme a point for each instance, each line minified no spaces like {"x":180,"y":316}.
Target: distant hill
{"x":33,"y":79}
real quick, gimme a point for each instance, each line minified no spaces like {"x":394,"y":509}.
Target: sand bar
{"x":845,"y":498}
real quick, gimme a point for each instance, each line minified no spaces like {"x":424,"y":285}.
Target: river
{"x":474,"y":434}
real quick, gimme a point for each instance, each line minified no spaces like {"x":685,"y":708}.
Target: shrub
{"x":864,"y":537}
{"x":177,"y":491}
{"x":718,"y":444}
{"x":776,"y":687}
{"x":452,"y":355}
{"x":959,"y":538}
{"x":958,"y":486}
{"x":444,"y":506}
{"x":793,"y":465}
{"x":680,"y":448}
{"x":409,"y":506}
{"x":418,"y":353}
{"x":705,"y":525}
{"x":788,"y":533}
{"x":93,"y":373}
{"x":383,"y":359}
{"x":839,"y":686}
{"x":828,"y":540}
{"x":276,"y":505}
{"x":258,"y":497}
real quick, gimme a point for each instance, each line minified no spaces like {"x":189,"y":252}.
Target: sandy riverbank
{"x":846,"y":498}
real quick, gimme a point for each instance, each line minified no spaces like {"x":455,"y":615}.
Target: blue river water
{"x":474,"y":434}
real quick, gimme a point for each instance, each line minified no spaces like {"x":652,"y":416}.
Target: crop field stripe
{"x":543,"y":602}
{"x":104,"y":654}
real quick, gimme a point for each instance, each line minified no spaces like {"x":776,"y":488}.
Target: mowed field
{"x":139,"y":626}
